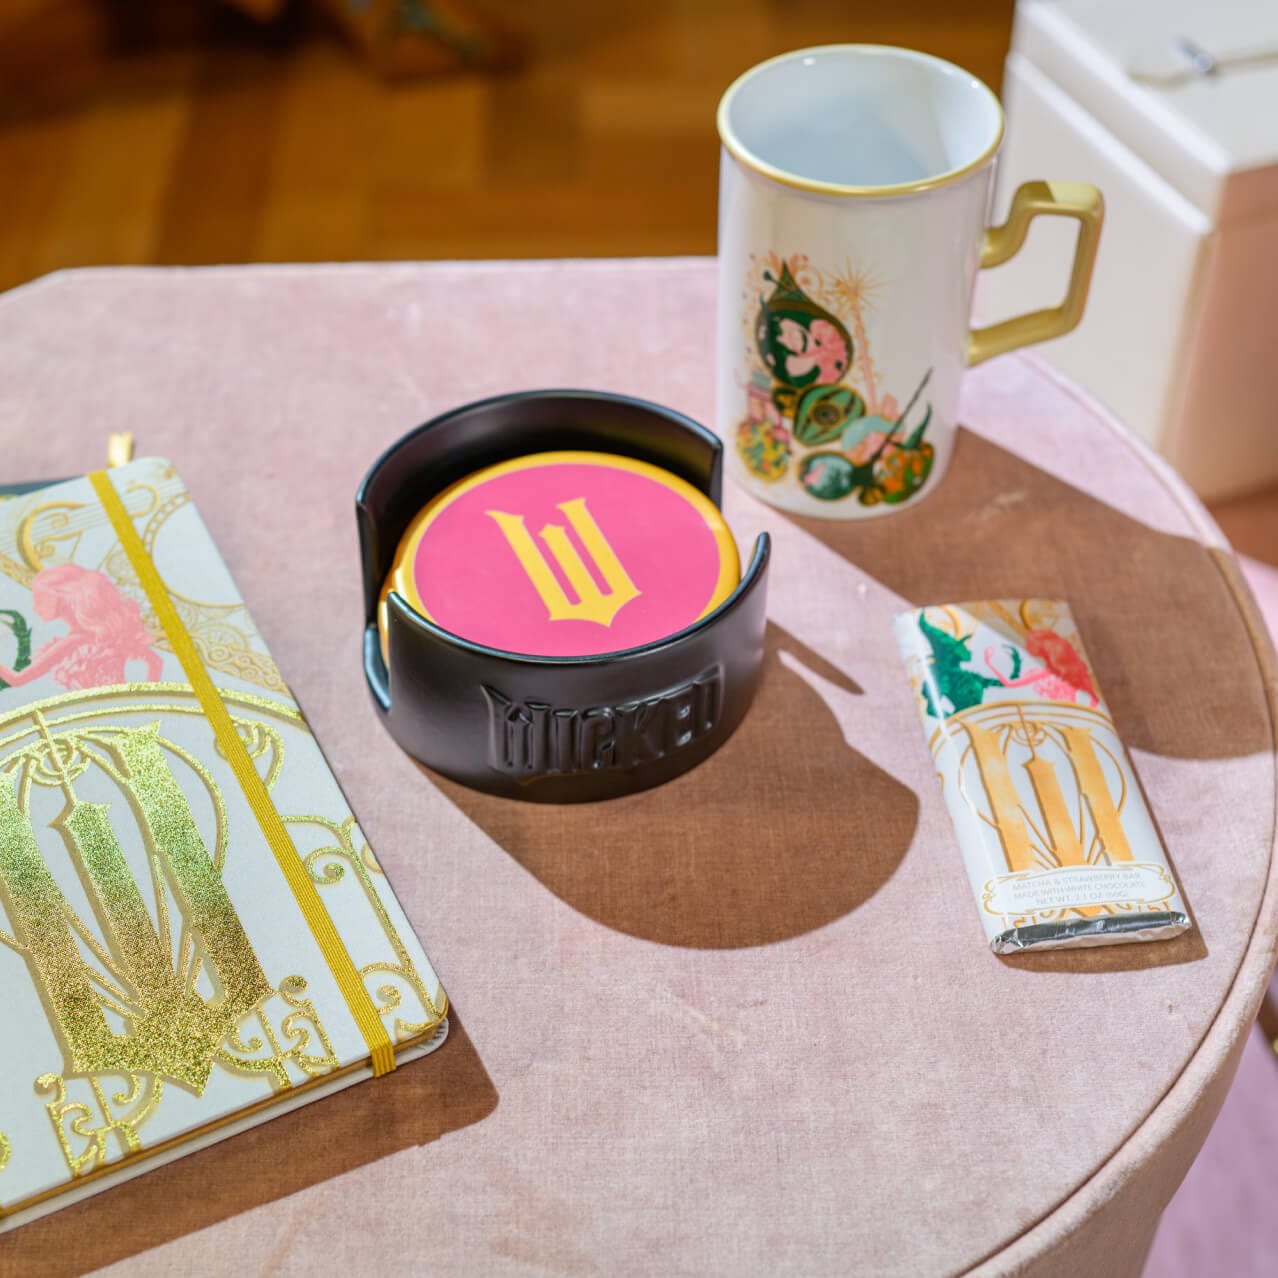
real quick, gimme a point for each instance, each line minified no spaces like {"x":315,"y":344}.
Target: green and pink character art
{"x":812,"y":399}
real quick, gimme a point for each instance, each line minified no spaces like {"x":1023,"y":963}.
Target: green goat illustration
{"x":948,"y":675}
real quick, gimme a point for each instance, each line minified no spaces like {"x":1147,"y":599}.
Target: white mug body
{"x":850,"y":234}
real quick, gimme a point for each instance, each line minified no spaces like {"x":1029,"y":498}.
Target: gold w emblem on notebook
{"x":122,"y":994}
{"x":593,"y":603}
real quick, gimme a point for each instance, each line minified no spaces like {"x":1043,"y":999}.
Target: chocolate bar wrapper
{"x":1059,"y":844}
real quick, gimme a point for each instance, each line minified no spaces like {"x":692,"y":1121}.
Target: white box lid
{"x":1191,"y":86}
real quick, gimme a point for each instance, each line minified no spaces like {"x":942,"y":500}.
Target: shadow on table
{"x":1180,"y":657}
{"x":1175,"y":659}
{"x":788,"y":828}
{"x":417,"y":1104}
{"x":782,"y":830}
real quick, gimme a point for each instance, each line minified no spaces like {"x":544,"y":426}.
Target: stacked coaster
{"x":554,"y":607}
{"x":565,"y":554}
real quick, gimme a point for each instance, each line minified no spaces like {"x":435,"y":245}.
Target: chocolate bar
{"x":1059,"y":844}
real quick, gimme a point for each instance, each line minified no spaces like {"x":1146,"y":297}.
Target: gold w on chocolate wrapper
{"x":129,"y":934}
{"x":1050,"y":779}
{"x":593,"y":603}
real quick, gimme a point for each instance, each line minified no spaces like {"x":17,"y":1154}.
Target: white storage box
{"x":1171,"y":108}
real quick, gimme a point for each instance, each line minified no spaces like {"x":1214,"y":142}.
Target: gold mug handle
{"x":1064,"y":199}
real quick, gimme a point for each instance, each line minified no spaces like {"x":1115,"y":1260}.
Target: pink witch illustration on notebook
{"x":105,"y":635}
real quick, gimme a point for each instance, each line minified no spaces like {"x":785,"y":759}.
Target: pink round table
{"x":748,"y":1022}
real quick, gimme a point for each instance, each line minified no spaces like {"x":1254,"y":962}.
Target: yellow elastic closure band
{"x":281,"y":843}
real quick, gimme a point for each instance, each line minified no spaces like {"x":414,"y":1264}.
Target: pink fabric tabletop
{"x":876,"y":1093}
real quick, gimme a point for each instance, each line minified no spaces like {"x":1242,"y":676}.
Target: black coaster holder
{"x":553,"y":729}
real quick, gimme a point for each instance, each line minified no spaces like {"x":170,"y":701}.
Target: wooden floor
{"x":178,"y":131}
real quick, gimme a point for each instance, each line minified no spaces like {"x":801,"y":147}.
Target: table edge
{"x":1220,"y":1045}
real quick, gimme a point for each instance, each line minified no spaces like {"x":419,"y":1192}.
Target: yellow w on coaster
{"x":566,"y":554}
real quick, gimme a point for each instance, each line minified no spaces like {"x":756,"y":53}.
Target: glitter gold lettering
{"x":171,"y":1030}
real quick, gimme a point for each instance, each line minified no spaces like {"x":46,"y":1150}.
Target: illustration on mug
{"x":813,"y":391}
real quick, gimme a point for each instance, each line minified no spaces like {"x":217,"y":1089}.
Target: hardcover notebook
{"x":194,"y":934}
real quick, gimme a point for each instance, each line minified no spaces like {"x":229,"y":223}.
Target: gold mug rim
{"x":744,"y":156}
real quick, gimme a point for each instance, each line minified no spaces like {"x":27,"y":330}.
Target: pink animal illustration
{"x":815,"y":473}
{"x":1063,"y":675}
{"x":760,"y":407}
{"x":105,"y":631}
{"x":820,"y":346}
{"x":868,"y":448}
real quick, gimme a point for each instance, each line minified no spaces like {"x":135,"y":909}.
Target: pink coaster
{"x":566,"y":554}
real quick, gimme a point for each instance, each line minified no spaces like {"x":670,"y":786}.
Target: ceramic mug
{"x":854,"y":186}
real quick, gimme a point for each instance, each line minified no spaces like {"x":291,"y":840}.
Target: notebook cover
{"x":167,"y":975}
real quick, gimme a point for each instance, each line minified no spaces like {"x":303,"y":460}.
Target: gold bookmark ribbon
{"x":273,"y":828}
{"x":119,"y":448}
